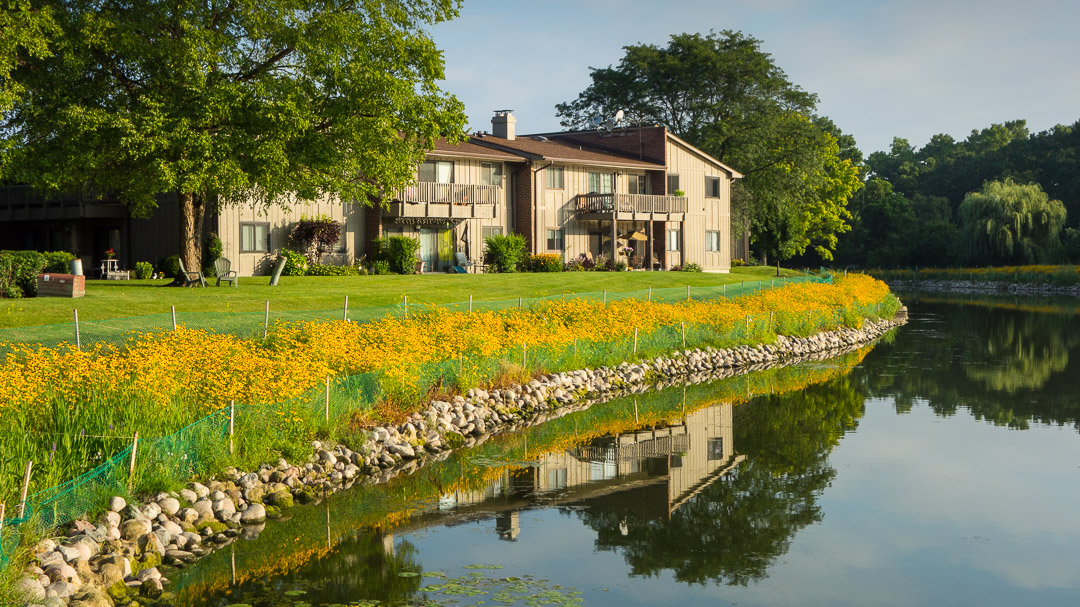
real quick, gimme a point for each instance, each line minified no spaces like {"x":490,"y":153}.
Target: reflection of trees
{"x":1007,"y":366}
{"x":736,"y":527}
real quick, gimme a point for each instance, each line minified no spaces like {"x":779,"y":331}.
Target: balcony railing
{"x":449,"y":193}
{"x":630,"y":203}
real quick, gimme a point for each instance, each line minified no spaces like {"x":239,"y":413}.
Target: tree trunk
{"x":191,"y":227}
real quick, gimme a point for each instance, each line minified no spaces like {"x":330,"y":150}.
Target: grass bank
{"x":115,"y":299}
{"x":1051,"y":275}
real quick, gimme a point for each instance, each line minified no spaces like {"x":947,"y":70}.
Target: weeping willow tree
{"x":1007,"y":222}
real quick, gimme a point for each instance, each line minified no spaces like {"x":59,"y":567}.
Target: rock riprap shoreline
{"x":123,"y":555}
{"x":985,"y":286}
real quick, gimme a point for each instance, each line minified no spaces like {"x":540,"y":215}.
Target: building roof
{"x":471,"y":150}
{"x":544,"y":149}
{"x":734,"y":174}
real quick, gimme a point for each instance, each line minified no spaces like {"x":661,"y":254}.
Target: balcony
{"x":19,"y":203}
{"x":630,"y":207}
{"x":444,"y":200}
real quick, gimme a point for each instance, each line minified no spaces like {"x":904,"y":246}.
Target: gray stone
{"x":61,"y":572}
{"x":169,"y":506}
{"x":61,"y":590}
{"x":248,"y":480}
{"x":187,"y":515}
{"x":150,"y":511}
{"x":200,"y":490}
{"x":116,"y":503}
{"x":180,"y":555}
{"x":91,"y":598}
{"x":204,"y":508}
{"x":148,"y":574}
{"x":30,"y":589}
{"x":111,"y":519}
{"x":224,"y":508}
{"x":255,"y":513}
{"x":151,"y":588}
{"x":134,"y":528}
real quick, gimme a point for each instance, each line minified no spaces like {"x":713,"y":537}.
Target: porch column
{"x":614,"y":238}
{"x":649,"y":247}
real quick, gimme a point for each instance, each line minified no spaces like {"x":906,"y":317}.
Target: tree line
{"x":1002,"y":196}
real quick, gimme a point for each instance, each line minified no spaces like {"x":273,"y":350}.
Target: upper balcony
{"x":20,"y":203}
{"x":449,"y":200}
{"x":630,"y":207}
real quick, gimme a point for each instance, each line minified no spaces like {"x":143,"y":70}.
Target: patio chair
{"x":190,"y":279}
{"x":460,"y":263}
{"x":222,"y":267}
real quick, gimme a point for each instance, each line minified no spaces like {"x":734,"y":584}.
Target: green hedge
{"x":19,"y":270}
{"x":321,"y":270}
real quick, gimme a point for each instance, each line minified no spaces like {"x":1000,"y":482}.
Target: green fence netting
{"x":205,"y":445}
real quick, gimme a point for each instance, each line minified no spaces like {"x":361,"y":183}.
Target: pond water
{"x":941,"y":466}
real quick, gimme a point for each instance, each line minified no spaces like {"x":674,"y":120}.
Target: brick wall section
{"x":372,"y":227}
{"x":524,"y":209}
{"x":643,"y":143}
{"x":61,"y":285}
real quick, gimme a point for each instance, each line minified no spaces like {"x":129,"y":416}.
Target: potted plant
{"x":110,"y":253}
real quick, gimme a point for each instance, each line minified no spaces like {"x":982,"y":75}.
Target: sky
{"x":881,"y":69}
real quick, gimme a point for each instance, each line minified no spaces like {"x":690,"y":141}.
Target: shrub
{"x":316,"y":236}
{"x":214,"y":248}
{"x":545,"y":262}
{"x":737,"y":263}
{"x":170,"y":266}
{"x":588,"y":264}
{"x":690,"y":267}
{"x":143,"y":270}
{"x":504,"y":251}
{"x":400,"y":252}
{"x":321,"y":270}
{"x":58,"y":261}
{"x":295,"y":263}
{"x":620,"y":266}
{"x":575,"y":265}
{"x":380,"y":267}
{"x":18,"y":272}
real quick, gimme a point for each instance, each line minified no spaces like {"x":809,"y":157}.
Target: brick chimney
{"x":502,"y":125}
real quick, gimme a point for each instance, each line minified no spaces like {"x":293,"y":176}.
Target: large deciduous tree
{"x":722,"y":93}
{"x":1007,"y":222}
{"x":224,"y":101}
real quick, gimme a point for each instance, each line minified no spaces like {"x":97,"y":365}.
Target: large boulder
{"x":253,"y":514}
{"x":116,"y":503}
{"x":131,"y":530}
{"x":169,"y":505}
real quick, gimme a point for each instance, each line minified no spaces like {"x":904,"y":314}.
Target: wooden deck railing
{"x":630,"y":203}
{"x":449,"y":193}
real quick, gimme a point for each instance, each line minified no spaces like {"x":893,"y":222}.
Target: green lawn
{"x":121,"y":299}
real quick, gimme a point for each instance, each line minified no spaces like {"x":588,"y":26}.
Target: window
{"x":491,"y":231}
{"x":436,"y":171}
{"x":712,"y":241}
{"x":554,"y":178}
{"x":254,"y":237}
{"x":673,"y":240}
{"x":672,"y":184}
{"x":601,"y":183}
{"x":557,"y":478}
{"x":712,"y":187}
{"x":491,"y":173}
{"x":555,"y":240}
{"x":635,"y":184}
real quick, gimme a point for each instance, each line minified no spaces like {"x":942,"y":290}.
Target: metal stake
{"x":328,"y":398}
{"x":134,"y":449}
{"x":266,"y":319}
{"x":78,"y":340}
{"x":232,"y":423}
{"x":345,"y":310}
{"x":173,"y":317}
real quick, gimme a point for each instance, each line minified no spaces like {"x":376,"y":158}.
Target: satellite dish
{"x":619,"y":115}
{"x":596,"y":120}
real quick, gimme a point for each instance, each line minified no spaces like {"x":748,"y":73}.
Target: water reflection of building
{"x":658,"y":468}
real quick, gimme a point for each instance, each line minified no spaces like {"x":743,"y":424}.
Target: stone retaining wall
{"x":115,"y":558}
{"x":976,"y":286}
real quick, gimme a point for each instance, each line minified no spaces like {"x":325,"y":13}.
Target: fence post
{"x":345,"y":311}
{"x":232,"y":423}
{"x":134,"y":450}
{"x":683,"y":334}
{"x":519,"y":303}
{"x":266,"y":319}
{"x":406,"y":305}
{"x":635,"y":411}
{"x":173,"y":309}
{"x":605,"y":297}
{"x":770,"y":319}
{"x":725,"y":289}
{"x":575,"y":346}
{"x":687,"y":292}
{"x":78,"y":340}
{"x":635,"y":340}
{"x":470,"y":303}
{"x":522,"y":354}
{"x":25,"y":487}
{"x":650,"y":293}
{"x":328,"y":397}
{"x":2,"y":509}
